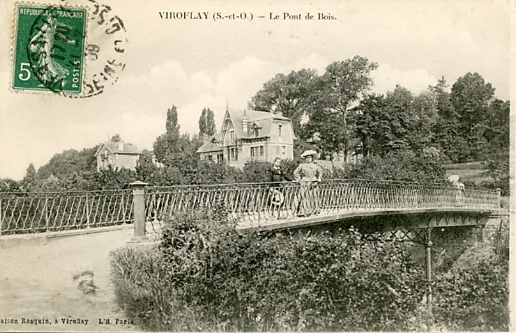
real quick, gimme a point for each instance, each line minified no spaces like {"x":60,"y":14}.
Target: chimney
{"x":244,"y":122}
{"x":120,"y":145}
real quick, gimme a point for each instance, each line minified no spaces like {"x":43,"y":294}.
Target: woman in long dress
{"x":308,"y":174}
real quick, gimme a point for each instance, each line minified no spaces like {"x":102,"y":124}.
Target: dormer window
{"x":256,"y":130}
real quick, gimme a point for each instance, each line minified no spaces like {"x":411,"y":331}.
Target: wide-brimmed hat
{"x":309,"y":153}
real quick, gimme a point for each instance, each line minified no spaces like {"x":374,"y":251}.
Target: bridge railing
{"x":260,"y":202}
{"x":248,"y":203}
{"x":59,"y":211}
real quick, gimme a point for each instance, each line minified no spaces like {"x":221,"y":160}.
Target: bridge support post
{"x":428,"y":246}
{"x":139,"y":212}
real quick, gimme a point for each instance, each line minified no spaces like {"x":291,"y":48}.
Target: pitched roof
{"x":262,"y":119}
{"x":114,"y":148}
{"x":210,"y":145}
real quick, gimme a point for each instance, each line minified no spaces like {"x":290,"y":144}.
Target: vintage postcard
{"x":115,"y":115}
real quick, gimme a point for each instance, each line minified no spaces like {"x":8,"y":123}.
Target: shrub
{"x":206,"y":275}
{"x":473,"y":294}
{"x":401,"y":165}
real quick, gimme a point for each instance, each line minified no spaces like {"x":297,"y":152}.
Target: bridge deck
{"x":325,"y":217}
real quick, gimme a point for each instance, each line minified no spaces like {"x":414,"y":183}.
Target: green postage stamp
{"x":49,"y":48}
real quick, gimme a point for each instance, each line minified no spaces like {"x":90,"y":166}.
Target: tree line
{"x":334,"y":113}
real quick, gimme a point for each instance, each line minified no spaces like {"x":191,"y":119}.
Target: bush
{"x":473,"y":294}
{"x":206,"y":275}
{"x":401,"y":166}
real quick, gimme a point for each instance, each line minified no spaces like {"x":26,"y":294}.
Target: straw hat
{"x":309,"y":153}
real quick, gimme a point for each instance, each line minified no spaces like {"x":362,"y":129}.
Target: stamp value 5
{"x":49,"y":48}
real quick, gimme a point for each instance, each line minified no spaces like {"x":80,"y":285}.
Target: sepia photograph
{"x":246,"y":166}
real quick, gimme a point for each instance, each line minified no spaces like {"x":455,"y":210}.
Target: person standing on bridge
{"x":277,"y":177}
{"x":308,"y":174}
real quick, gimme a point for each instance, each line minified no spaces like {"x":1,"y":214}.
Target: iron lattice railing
{"x":247,"y":203}
{"x":41,"y":212}
{"x":260,"y":202}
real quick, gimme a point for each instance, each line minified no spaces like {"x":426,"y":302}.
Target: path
{"x":36,"y":283}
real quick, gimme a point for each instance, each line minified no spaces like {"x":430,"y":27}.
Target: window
{"x":210,"y":158}
{"x":284,"y":150}
{"x":256,"y":153}
{"x":232,"y":135}
{"x":256,"y":132}
{"x":277,"y":150}
{"x":233,"y":154}
{"x":279,"y":127}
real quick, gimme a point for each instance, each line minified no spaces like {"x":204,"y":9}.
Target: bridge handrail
{"x":252,"y":201}
{"x":326,"y":181}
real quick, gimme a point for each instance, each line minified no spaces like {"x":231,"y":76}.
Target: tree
{"x":471,"y":96}
{"x":371,"y":123}
{"x":160,"y":148}
{"x":343,"y":83}
{"x":207,"y":123}
{"x":171,"y":125}
{"x":289,"y":95}
{"x":447,"y":130}
{"x":69,"y":162}
{"x":400,"y":120}
{"x":30,"y":180}
{"x":116,"y":138}
{"x":166,"y":143}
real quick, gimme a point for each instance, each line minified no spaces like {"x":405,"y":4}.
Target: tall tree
{"x":167,"y":143}
{"x":448,"y":136}
{"x":172,"y":125}
{"x":116,"y":138}
{"x":30,"y":180}
{"x":207,"y":123}
{"x":289,"y":95}
{"x":400,"y":120}
{"x":343,"y":84}
{"x":471,"y":97}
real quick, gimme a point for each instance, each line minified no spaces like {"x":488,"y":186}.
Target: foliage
{"x":9,"y":185}
{"x":69,"y":162}
{"x":399,"y":120}
{"x":498,"y":168}
{"x":30,"y":180}
{"x":208,"y":276}
{"x":424,"y":167}
{"x":289,"y":95}
{"x":473,"y":294}
{"x":207,"y":123}
{"x":343,"y":83}
{"x":112,"y":179}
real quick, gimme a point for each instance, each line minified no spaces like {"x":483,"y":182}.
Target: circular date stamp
{"x":105,"y":50}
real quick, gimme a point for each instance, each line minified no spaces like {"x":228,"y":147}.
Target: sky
{"x":194,"y":64}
